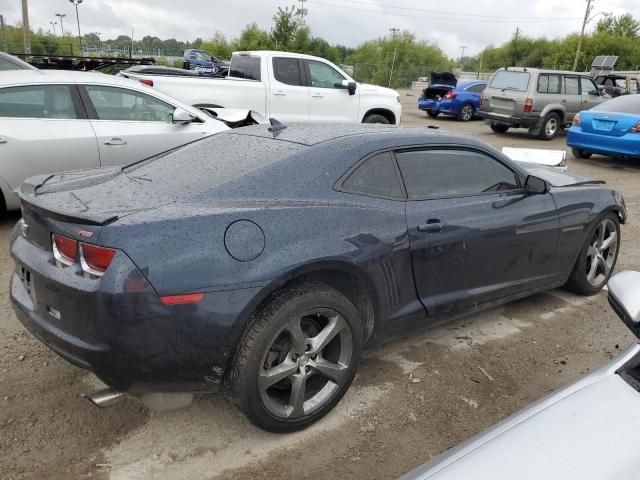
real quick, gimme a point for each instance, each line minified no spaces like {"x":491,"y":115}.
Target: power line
{"x":455,"y":15}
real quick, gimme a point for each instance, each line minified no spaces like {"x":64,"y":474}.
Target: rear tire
{"x":598,"y":256}
{"x":466,"y":113}
{"x":499,"y":127}
{"x":376,"y":118}
{"x":284,"y":377}
{"x":580,"y":153}
{"x":550,"y":126}
{"x":433,"y":113}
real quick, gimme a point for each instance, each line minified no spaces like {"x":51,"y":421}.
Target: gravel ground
{"x":411,"y":400}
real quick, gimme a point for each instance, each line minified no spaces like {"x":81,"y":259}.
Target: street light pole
{"x":53,"y":24}
{"x":76,"y":3}
{"x":463,"y":47}
{"x":61,"y":16}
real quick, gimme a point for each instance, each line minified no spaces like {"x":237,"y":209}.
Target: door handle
{"x":279,"y":94}
{"x":433,"y":225}
{"x":115,"y":142}
{"x":2,"y":141}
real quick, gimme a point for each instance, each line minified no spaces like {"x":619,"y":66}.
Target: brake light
{"x":148,"y":83}
{"x":635,"y":128}
{"x":65,"y":249}
{"x":528,"y":105}
{"x":481,"y":100}
{"x":182,"y":299}
{"x":576,"y":120}
{"x":95,"y":260}
{"x":451,"y":95}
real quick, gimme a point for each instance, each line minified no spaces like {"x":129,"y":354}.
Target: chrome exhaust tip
{"x":105,"y":397}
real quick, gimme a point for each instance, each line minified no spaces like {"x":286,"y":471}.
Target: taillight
{"x":481,"y":100}
{"x":451,"y":95}
{"x":148,"y":83}
{"x":528,"y":105}
{"x":65,"y":249}
{"x":95,"y":260}
{"x":576,"y":120}
{"x":635,"y":128}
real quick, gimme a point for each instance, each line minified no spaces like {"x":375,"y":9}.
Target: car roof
{"x":467,"y":83}
{"x":542,"y":70}
{"x":11,"y":77}
{"x":311,"y":134}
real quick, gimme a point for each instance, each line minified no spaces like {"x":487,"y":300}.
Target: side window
{"x":453,"y":173}
{"x":548,"y":83}
{"x":112,"y":103}
{"x":587,"y":86}
{"x":287,"y":71}
{"x":37,"y":101}
{"x":323,"y":75}
{"x":571,"y":86}
{"x":375,"y":177}
{"x":244,"y":66}
{"x":477,"y":88}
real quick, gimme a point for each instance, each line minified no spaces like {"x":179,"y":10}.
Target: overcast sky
{"x":473,"y":23}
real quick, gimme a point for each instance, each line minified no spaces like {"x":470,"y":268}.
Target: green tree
{"x":287,"y":21}
{"x":622,"y":26}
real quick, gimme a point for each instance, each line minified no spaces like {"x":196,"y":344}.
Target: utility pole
{"x":25,"y":26}
{"x":131,"y":49}
{"x":587,"y":12}
{"x":4,"y":35}
{"x":76,"y":3}
{"x":480,"y":64}
{"x":303,"y":11}
{"x":394,"y":31}
{"x":515,"y":47}
{"x":61,"y":16}
{"x":463,"y":47}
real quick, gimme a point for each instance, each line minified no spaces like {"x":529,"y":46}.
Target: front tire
{"x":598,"y":256}
{"x":433,"y":113}
{"x":376,"y":118}
{"x":550,"y":126}
{"x":297,"y":359}
{"x":466,"y":113}
{"x":577,"y":153}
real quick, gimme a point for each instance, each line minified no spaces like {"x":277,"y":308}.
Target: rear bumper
{"x":428,"y":104}
{"x":118,"y":328}
{"x":626,"y":145}
{"x":512,"y":121}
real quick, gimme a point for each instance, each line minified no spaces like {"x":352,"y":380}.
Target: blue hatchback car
{"x":611,"y":128}
{"x":451,"y":97}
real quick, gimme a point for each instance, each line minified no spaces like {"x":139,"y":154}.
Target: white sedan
{"x":55,"y":121}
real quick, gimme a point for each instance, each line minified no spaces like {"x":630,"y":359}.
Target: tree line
{"x":395,"y":60}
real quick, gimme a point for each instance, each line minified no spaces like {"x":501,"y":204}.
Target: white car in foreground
{"x":585,"y":431}
{"x":290,"y":87}
{"x":55,"y":121}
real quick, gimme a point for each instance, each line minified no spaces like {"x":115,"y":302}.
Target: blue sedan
{"x":462,"y":101}
{"x":611,"y":128}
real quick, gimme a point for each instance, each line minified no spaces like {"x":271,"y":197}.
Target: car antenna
{"x":276,"y":127}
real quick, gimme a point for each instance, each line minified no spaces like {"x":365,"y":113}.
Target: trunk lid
{"x":443,"y":79}
{"x":609,"y":124}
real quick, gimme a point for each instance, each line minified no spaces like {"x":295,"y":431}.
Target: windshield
{"x":623,"y":104}
{"x":509,"y":80}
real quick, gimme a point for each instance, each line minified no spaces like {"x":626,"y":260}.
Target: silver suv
{"x":541,"y":100}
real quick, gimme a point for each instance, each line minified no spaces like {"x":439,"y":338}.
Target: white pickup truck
{"x":290,"y":87}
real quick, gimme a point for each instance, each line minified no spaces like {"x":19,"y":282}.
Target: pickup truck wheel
{"x":598,"y":256}
{"x":580,"y":153}
{"x":499,"y":127}
{"x":376,"y":118}
{"x":550,"y":126}
{"x":297,"y":359}
{"x":466,"y":113}
{"x":433,"y":113}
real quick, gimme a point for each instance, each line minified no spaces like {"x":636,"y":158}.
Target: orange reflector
{"x":182,"y":299}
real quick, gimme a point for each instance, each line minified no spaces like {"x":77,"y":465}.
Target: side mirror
{"x":535,"y":185}
{"x":347,"y":85}
{"x":180,"y":115}
{"x":624,"y":298}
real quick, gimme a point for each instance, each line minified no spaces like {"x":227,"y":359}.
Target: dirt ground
{"x":411,"y":400}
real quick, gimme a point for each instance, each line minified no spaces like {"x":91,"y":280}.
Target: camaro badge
{"x":85,"y":234}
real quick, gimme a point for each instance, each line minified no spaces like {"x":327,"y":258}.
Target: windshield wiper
{"x":513,"y":89}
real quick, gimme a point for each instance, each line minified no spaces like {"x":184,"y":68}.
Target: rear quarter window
{"x":511,"y":80}
{"x":244,"y":66}
{"x":375,"y":177}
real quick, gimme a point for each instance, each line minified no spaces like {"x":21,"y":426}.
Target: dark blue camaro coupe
{"x":264,"y":259}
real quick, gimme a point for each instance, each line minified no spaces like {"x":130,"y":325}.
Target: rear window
{"x":622,"y":104}
{"x":510,"y":80}
{"x":244,"y":66}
